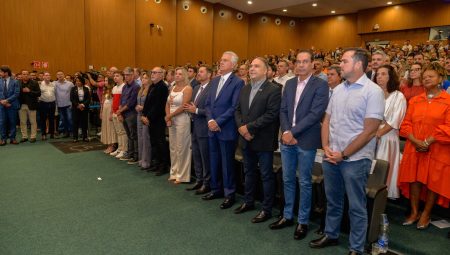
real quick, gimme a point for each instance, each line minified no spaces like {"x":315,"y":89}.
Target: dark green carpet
{"x":52,"y":203}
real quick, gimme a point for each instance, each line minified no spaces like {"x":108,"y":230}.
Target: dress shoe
{"x":153,"y":168}
{"x":408,"y":222}
{"x":322,"y":242}
{"x":2,"y":143}
{"x":227,"y":203}
{"x":244,"y":208}
{"x":32,"y":140}
{"x":281,"y":223}
{"x":202,"y":190}
{"x":23,"y":140}
{"x":162,"y":170}
{"x":195,"y":187}
{"x":211,"y":196}
{"x":261,"y":217}
{"x":424,"y":226}
{"x":145,"y":168}
{"x":14,"y":142}
{"x":300,"y":231}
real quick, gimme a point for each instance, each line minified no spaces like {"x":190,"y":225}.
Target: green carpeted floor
{"x":52,"y":203}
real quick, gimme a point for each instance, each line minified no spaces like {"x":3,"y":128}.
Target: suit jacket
{"x":199,"y":123}
{"x":261,"y":118}
{"x":155,"y":104}
{"x":30,"y":98}
{"x":76,"y":100}
{"x":194,"y":83}
{"x":369,"y":74}
{"x":310,"y":110}
{"x":12,"y":95}
{"x":221,"y":109}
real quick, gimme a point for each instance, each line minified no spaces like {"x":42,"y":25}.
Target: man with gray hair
{"x":378,"y":58}
{"x":220,"y":106}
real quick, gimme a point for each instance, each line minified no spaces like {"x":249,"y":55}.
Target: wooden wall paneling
{"x":47,"y":30}
{"x":194,"y":33}
{"x":406,"y":16}
{"x":110,"y":33}
{"x":155,"y":47}
{"x":269,"y":38}
{"x":229,"y":32}
{"x":416,"y":36}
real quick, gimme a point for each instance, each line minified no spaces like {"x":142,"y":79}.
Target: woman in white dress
{"x":108,"y":133}
{"x":179,"y":124}
{"x":388,"y":133}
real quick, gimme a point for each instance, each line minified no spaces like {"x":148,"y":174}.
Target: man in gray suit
{"x":200,"y":148}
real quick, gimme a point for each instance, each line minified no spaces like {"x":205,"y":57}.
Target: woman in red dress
{"x":413,"y":86}
{"x":425,"y":166}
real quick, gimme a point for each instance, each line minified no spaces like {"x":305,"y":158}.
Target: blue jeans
{"x":351,"y":178}
{"x":296,"y":159}
{"x":265,"y":160}
{"x":65,"y":114}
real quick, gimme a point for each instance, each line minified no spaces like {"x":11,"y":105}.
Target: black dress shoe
{"x":14,"y":142}
{"x":2,"y":143}
{"x":227,"y":203}
{"x":211,"y":196}
{"x":153,"y":168}
{"x":32,"y":140}
{"x":195,"y":187}
{"x":202,"y":190}
{"x":322,"y":242}
{"x":162,"y":170}
{"x":244,"y":208}
{"x":281,"y":223}
{"x":23,"y":140}
{"x":261,"y":217}
{"x":300,"y":231}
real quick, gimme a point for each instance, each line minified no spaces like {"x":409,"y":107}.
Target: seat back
{"x":378,"y":178}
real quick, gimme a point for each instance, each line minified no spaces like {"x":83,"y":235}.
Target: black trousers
{"x":47,"y":111}
{"x":160,"y":148}
{"x":80,"y":119}
{"x":130,"y":126}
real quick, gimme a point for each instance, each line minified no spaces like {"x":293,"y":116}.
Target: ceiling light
{"x":249,"y":2}
{"x":389,"y":3}
{"x":333,"y":11}
{"x":284,"y":10}
{"x":314,"y":4}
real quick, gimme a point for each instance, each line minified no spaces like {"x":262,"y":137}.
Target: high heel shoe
{"x":425,"y":226}
{"x":410,"y":222}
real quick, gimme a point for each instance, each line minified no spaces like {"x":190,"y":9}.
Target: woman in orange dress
{"x":413,"y":86}
{"x":425,"y":166}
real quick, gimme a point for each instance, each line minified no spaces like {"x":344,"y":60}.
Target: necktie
{"x":198,"y":94}
{"x":219,"y":88}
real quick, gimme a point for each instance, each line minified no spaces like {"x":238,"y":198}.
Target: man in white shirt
{"x":47,"y":106}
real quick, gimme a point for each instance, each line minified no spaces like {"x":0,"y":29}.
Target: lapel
{"x":194,"y":92}
{"x":307,"y":88}
{"x":228,"y":81}
{"x":258,"y":93}
{"x":201,"y":97}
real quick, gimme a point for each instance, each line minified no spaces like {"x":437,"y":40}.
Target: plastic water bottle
{"x":383,"y":238}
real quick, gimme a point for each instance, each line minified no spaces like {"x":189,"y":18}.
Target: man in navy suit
{"x":220,"y":106}
{"x":303,"y":105}
{"x":200,"y":140}
{"x":9,"y":105}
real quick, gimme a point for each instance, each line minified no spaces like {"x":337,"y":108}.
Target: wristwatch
{"x":343,"y":156}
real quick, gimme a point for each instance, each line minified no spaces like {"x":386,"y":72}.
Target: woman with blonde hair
{"x":144,"y":146}
{"x":179,"y":124}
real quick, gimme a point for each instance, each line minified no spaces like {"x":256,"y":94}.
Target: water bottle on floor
{"x":383,"y":238}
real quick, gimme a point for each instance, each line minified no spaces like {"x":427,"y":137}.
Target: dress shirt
{"x":47,"y":92}
{"x":62,"y":93}
{"x":255,"y":88}
{"x":224,"y":79}
{"x":349,"y":106}
{"x":283,"y":79}
{"x":298,"y":93}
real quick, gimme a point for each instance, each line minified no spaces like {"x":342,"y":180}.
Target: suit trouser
{"x":47,"y":110}
{"x":144,"y":146}
{"x":122,"y":140}
{"x":200,"y":153}
{"x":80,"y":119}
{"x":221,"y":154}
{"x":130,"y":126}
{"x":26,"y":114}
{"x":160,"y":150}
{"x":8,"y":118}
{"x":180,"y":148}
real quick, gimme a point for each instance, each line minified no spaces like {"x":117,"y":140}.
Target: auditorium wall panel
{"x":416,"y":36}
{"x":229,"y":32}
{"x":194,"y":33}
{"x":47,"y":30}
{"x":155,"y":47}
{"x":110,"y":33}
{"x":407,"y":16}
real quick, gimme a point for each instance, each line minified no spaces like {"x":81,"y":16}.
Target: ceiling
{"x":304,"y":8}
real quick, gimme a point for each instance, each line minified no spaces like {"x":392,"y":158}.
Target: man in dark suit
{"x":153,"y":115}
{"x":220,"y":106}
{"x":257,"y":118}
{"x":303,"y":105}
{"x":28,"y":98}
{"x":192,"y":75}
{"x":378,"y":59}
{"x":9,"y":105}
{"x":200,"y":147}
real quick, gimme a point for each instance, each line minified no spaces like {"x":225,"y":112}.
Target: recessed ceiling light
{"x":389,"y":3}
{"x":333,"y":12}
{"x":249,"y":2}
{"x":314,"y":4}
{"x":284,"y":10}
